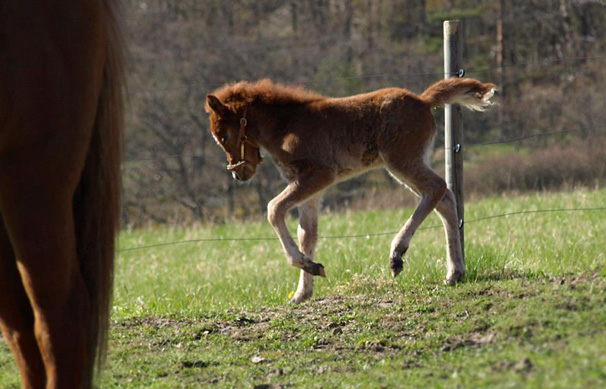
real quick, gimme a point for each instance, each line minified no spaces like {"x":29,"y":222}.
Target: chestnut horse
{"x":317,"y":141}
{"x":60,"y":144}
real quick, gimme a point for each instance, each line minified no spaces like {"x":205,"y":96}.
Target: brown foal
{"x":317,"y":141}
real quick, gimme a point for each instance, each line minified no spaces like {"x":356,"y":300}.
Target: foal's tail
{"x":97,"y":199}
{"x":470,"y":93}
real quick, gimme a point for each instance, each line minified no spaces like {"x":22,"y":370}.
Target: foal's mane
{"x":265,"y":91}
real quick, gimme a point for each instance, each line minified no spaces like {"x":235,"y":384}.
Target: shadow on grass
{"x":485,"y":264}
{"x":504,"y":275}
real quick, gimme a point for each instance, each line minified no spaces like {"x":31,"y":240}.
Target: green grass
{"x":189,"y":279}
{"x":531,"y":312}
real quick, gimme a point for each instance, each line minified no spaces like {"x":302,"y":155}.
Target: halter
{"x":242,"y":142}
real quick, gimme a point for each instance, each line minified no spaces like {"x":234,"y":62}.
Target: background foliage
{"x":546,"y":55}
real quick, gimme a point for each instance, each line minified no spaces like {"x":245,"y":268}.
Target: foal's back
{"x":373,"y":122}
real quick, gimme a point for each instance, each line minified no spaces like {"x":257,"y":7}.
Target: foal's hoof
{"x":454,"y":278}
{"x":396,"y":265}
{"x":315,"y":269}
{"x":298,"y":298}
{"x":395,"y":262}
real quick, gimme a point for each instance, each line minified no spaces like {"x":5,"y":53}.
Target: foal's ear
{"x":216,"y":105}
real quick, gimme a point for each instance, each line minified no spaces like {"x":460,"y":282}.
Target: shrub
{"x":579,"y":164}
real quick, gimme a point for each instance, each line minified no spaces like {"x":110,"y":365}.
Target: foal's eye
{"x":224,"y":139}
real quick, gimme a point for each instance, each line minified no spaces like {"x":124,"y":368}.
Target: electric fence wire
{"x":356,"y":236}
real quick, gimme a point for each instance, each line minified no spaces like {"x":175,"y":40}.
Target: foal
{"x":317,"y":141}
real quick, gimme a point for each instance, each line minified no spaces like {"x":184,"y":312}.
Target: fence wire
{"x":357,"y":236}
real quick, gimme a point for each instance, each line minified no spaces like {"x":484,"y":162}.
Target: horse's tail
{"x":470,"y":93}
{"x":97,"y":198}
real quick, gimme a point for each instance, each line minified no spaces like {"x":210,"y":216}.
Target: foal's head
{"x":228,"y":126}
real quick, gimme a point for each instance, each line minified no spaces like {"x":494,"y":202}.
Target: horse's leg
{"x":44,"y":143}
{"x":430,"y":188}
{"x":447,"y":210}
{"x":42,"y":234}
{"x":17,"y":318}
{"x":40,"y":165}
{"x":303,"y":188}
{"x":307,"y":232}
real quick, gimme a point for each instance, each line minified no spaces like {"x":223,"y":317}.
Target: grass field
{"x":531,"y":313}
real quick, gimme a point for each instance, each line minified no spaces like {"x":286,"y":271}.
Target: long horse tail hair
{"x":470,"y":93}
{"x":97,"y":199}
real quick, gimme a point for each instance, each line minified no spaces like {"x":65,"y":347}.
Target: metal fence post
{"x":453,"y":126}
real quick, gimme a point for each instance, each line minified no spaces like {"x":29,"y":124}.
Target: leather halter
{"x":242,"y":142}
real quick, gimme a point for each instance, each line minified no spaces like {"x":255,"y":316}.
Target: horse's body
{"x":317,"y":141}
{"x":60,"y":135}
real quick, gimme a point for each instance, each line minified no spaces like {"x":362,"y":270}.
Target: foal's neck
{"x":273,"y":107}
{"x":272,"y":120}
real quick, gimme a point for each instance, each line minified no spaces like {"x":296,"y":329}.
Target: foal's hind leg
{"x":447,"y":210}
{"x":17,"y":318}
{"x":430,"y":188}
{"x":307,"y":233}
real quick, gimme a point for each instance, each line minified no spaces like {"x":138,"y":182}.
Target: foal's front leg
{"x":307,"y":232}
{"x":298,"y":191}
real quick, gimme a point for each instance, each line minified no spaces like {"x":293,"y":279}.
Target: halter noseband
{"x":242,"y":142}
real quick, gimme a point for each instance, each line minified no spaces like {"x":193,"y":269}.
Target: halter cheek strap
{"x":242,"y":142}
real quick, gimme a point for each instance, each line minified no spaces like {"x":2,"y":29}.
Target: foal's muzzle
{"x":243,"y":172}
{"x":244,"y":169}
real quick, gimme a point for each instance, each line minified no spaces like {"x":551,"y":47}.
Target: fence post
{"x":453,"y":126}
